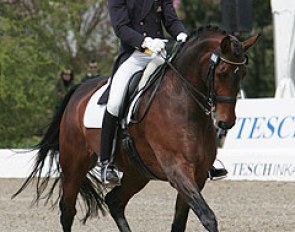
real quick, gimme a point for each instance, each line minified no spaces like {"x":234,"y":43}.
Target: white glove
{"x":181,"y":37}
{"x":155,"y":45}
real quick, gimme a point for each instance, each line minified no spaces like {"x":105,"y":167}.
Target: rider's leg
{"x":137,"y":61}
{"x":109,"y":127}
{"x":217,"y":173}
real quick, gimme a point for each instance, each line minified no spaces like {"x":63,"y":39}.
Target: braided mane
{"x":187,"y":52}
{"x":209,"y":28}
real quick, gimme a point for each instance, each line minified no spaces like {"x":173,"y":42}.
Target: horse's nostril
{"x":222,"y":125}
{"x":225,"y":126}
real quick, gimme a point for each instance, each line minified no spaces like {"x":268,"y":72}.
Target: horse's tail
{"x":48,"y":148}
{"x":48,"y":151}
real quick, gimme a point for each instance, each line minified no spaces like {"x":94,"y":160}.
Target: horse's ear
{"x":250,"y":42}
{"x":225,"y":44}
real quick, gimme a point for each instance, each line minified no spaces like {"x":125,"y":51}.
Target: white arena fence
{"x":18,"y":163}
{"x":261,"y":146}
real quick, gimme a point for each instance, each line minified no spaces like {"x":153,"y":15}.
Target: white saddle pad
{"x":94,"y":112}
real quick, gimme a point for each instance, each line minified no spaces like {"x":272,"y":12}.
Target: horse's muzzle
{"x":225,"y":126}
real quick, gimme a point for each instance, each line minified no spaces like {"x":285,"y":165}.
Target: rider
{"x":138,"y":24}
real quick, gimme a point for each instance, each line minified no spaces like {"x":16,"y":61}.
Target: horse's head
{"x":228,"y":62}
{"x":211,"y":66}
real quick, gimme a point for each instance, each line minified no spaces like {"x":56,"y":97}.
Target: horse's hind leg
{"x":67,"y":208}
{"x":75,"y":165}
{"x":118,"y":198}
{"x":181,"y":215}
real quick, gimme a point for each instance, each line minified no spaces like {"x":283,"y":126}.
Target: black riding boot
{"x":109,"y":173}
{"x":217,"y":173}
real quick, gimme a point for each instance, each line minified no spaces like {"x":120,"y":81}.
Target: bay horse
{"x":176,"y":140}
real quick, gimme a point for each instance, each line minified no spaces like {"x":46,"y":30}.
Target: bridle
{"x":211,"y":98}
{"x":214,"y":61}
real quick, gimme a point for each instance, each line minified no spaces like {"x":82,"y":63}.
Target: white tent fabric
{"x":284,"y":42}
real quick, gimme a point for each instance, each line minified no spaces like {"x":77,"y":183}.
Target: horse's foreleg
{"x":183,"y":178}
{"x":181,"y":215}
{"x":118,"y":198}
{"x":193,"y":197}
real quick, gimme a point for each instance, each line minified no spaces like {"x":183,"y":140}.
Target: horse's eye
{"x":221,"y":76}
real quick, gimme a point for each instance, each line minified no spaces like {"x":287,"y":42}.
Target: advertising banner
{"x":261,"y":145}
{"x":263,"y":124}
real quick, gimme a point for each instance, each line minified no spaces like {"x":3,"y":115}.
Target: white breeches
{"x":137,"y":61}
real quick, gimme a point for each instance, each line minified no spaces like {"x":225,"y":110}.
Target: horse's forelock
{"x":237,"y":46}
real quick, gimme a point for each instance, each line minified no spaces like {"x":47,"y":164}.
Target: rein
{"x":211,"y":98}
{"x":191,"y":89}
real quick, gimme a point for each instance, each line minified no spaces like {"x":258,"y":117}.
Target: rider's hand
{"x":181,"y":37}
{"x":155,"y":45}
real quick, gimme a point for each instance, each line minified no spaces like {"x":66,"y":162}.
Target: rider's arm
{"x":121,"y":21}
{"x":171,"y":21}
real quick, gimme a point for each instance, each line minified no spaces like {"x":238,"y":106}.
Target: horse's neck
{"x":193,"y":60}
{"x":180,"y":111}
{"x":193,"y":64}
{"x":176,"y":98}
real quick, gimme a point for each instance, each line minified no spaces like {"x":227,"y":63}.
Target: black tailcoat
{"x":133,"y":20}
